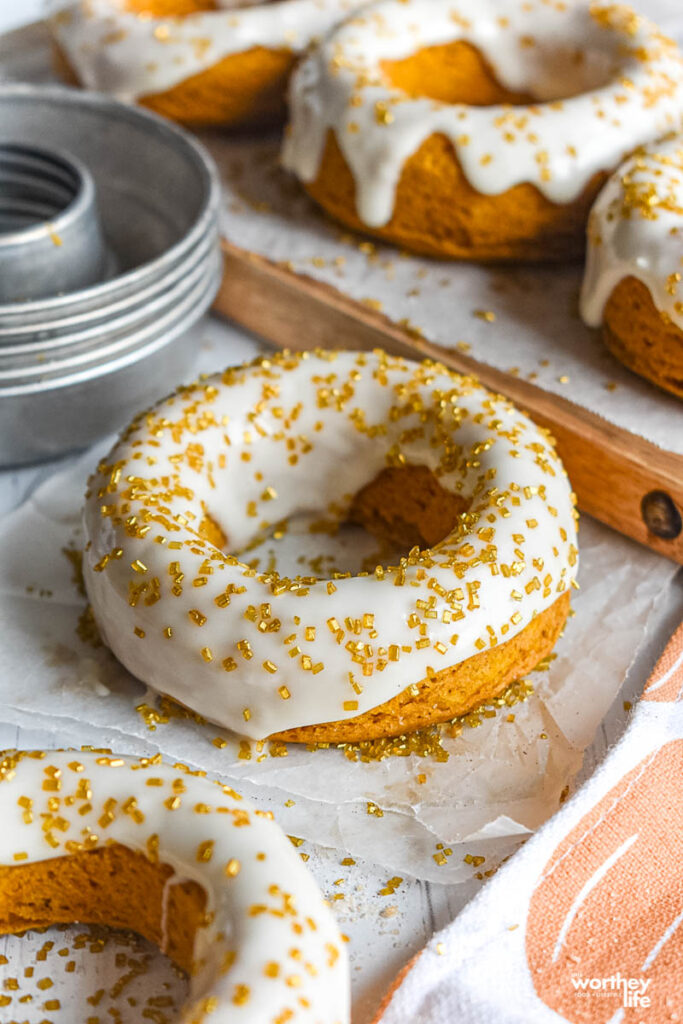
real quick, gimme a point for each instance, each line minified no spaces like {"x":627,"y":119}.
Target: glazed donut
{"x":632,"y":285}
{"x":478,"y":131}
{"x":201,"y":62}
{"x":186,"y":863}
{"x":206,"y":531}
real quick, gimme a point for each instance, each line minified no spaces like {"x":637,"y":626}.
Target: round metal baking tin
{"x":50,"y":234}
{"x":129,"y":337}
{"x":88,"y":334}
{"x":75,"y":365}
{"x":49,"y":417}
{"x":62,"y":329}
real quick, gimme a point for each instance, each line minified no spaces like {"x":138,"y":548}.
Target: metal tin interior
{"x":51,"y":239}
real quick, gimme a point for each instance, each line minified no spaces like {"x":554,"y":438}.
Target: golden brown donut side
{"x":242,"y":88}
{"x":438,"y":213}
{"x":452,"y":691}
{"x":641,"y":338}
{"x":112,"y":885}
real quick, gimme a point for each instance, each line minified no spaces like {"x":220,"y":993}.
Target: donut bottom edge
{"x":112,"y":885}
{"x":452,"y":692}
{"x":639,"y":337}
{"x":438,"y":213}
{"x":246,"y":88}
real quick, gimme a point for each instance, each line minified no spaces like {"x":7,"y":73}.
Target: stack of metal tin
{"x":109,"y":253}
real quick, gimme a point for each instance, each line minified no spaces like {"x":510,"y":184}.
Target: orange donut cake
{"x":185,"y":862}
{"x":201,"y":62}
{"x":632,"y":285}
{"x":478,"y":131}
{"x":331,"y":546}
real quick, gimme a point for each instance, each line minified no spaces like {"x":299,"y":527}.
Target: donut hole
{"x":98,"y":975}
{"x":400,"y":508}
{"x":112,"y":886}
{"x":458,"y":72}
{"x":406,"y":507}
{"x":454,"y":72}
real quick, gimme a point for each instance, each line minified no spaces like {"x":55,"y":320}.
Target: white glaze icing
{"x":626,"y":89}
{"x":129,"y":55}
{"x":290,"y":440}
{"x":636,"y":230}
{"x":263,"y":912}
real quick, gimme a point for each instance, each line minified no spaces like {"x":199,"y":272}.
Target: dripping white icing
{"x":623,"y":80}
{"x":636,"y":230}
{"x":127,"y":55}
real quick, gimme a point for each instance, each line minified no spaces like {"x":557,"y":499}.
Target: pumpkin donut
{"x":633,"y":282}
{"x":478,"y":131}
{"x":331,"y":546}
{"x":200,"y":62}
{"x":183,"y":861}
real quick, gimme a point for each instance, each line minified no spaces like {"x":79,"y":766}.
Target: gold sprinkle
{"x":205,"y":851}
{"x":241,"y":995}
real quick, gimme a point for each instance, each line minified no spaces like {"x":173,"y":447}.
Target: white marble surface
{"x":385,"y":931}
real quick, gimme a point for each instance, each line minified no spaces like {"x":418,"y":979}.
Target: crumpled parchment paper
{"x":503,"y":776}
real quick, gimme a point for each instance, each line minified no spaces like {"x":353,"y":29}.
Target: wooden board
{"x":620,"y":478}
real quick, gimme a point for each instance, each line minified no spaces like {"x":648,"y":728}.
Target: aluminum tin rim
{"x":137,"y":278}
{"x":40,"y":388}
{"x":90,"y":365}
{"x":92,"y":361}
{"x":16,"y":323}
{"x":95,"y":348}
{"x":61,"y":327}
{"x":94,"y":334}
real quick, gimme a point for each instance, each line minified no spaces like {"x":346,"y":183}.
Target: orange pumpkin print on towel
{"x":610,"y":900}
